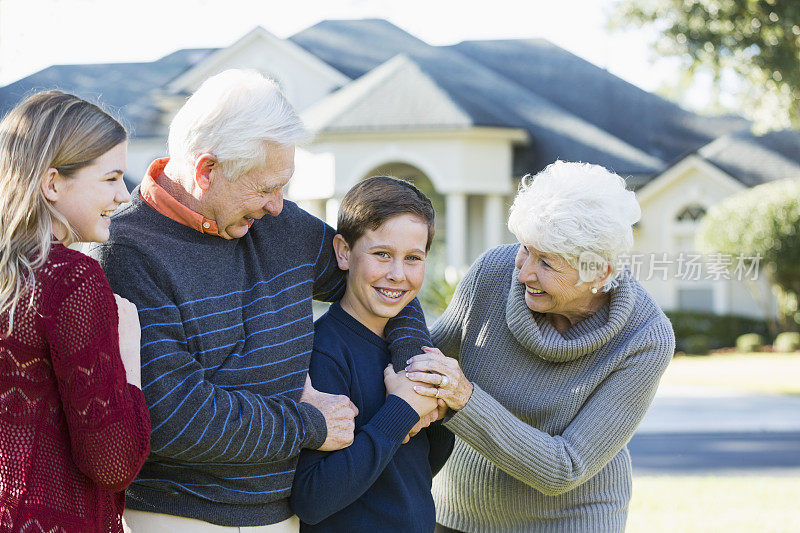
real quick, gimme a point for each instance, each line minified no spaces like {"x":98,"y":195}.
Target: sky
{"x":35,"y":34}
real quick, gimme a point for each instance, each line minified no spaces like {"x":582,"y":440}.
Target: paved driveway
{"x":702,"y":431}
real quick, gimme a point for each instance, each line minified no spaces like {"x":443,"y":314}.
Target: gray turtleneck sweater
{"x":541,"y":444}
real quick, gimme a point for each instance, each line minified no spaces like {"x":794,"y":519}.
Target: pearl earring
{"x":594,"y":290}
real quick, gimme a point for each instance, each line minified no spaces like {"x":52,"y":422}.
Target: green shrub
{"x":697,"y":344}
{"x":721,"y":331}
{"x":749,"y":342}
{"x":788,"y":341}
{"x":763,"y":221}
{"x":436,"y":294}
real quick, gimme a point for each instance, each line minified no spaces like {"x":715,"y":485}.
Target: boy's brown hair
{"x":375,"y":200}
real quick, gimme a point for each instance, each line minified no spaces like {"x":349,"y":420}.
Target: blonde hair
{"x":50,"y":129}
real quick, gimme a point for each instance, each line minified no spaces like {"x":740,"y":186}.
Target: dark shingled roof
{"x":125,"y":89}
{"x":756,"y":159}
{"x":357,"y":47}
{"x":642,"y":119}
{"x":376,"y":41}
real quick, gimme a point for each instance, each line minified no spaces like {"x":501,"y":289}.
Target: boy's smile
{"x":385,"y":267}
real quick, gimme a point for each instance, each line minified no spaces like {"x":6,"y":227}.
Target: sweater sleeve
{"x":554,"y":464}
{"x":193,"y":419}
{"x":107,"y":417}
{"x":407,"y":333}
{"x":448,"y":331}
{"x":327,"y":482}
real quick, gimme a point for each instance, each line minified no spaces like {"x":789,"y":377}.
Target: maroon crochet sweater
{"x":73,"y":432}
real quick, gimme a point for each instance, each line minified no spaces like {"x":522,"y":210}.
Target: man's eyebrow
{"x":116,"y":171}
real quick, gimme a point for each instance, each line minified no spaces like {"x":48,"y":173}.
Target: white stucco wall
{"x":474,"y":163}
{"x":470,"y":162}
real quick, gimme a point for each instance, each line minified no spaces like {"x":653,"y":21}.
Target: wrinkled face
{"x":385,"y":270}
{"x":90,"y":196}
{"x":551,"y":283}
{"x":233,"y":205}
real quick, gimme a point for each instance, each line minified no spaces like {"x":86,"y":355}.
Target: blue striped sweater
{"x":227,"y":333}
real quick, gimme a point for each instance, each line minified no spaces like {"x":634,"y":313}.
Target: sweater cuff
{"x":475,"y":414}
{"x":316,"y":429}
{"x":404,"y":349}
{"x":395,"y":418}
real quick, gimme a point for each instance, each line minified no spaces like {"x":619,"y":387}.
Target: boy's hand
{"x":399,"y":385}
{"x":427,"y":420}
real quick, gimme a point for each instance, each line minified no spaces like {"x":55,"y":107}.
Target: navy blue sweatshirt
{"x":376,"y":483}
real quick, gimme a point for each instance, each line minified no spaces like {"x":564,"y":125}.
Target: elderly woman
{"x":560,"y":355}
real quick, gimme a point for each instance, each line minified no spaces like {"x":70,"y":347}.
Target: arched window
{"x":691,"y":213}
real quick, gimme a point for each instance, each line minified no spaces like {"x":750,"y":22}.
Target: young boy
{"x":377,"y":483}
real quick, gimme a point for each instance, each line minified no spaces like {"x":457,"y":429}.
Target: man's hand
{"x":339,"y":413}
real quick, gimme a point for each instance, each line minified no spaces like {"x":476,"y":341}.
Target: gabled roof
{"x":755,"y":159}
{"x":126,"y":87}
{"x":396,"y":95}
{"x":487,"y":98}
{"x":210,"y":65}
{"x":642,"y":119}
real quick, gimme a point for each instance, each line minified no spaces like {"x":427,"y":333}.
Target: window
{"x":696,"y":299}
{"x":691,"y":213}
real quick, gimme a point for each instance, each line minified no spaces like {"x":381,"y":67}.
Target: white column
{"x":332,"y":210}
{"x":456,"y":224}
{"x":318,"y":208}
{"x":493,"y":217}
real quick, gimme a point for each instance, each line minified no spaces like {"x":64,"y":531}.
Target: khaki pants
{"x":144,"y":522}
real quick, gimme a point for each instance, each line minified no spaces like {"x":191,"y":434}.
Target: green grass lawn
{"x":728,"y":504}
{"x":688,"y":504}
{"x":774,"y":373}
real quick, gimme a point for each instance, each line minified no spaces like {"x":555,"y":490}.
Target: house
{"x":465,"y":123}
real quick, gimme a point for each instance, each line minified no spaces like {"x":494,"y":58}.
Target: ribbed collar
{"x":535,"y":333}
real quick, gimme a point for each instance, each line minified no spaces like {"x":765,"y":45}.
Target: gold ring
{"x":445,"y":381}
{"x":437,"y":392}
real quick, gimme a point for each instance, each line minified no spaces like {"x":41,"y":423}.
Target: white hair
{"x":571,"y":208}
{"x":233,"y":115}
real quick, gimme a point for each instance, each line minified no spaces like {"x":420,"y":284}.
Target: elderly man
{"x":224,"y":300}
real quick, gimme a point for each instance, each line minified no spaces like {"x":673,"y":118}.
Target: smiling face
{"x":385,"y":269}
{"x":88,"y":197}
{"x":551,"y":285}
{"x":233,"y":205}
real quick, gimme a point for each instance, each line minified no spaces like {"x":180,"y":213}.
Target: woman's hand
{"x":444,"y":373}
{"x":130,"y":334}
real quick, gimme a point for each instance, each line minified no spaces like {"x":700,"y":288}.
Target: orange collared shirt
{"x":159,"y":199}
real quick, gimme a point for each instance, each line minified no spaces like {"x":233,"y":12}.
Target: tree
{"x":757,"y":40}
{"x":763,"y":221}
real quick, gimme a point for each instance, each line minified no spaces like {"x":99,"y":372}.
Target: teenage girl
{"x":74,"y":428}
